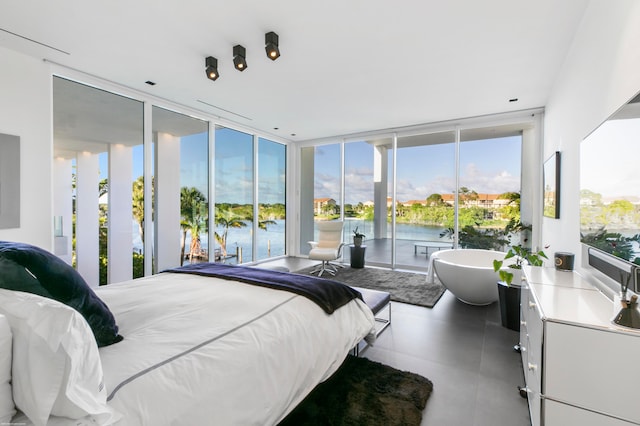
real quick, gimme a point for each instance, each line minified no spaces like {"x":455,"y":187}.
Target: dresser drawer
{"x":558,"y":414}
{"x":532,"y":327}
{"x":588,"y":368}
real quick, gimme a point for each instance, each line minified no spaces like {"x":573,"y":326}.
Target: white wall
{"x":600,"y":74}
{"x":25,"y":111}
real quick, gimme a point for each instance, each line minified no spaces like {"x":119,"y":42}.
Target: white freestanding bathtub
{"x":468,"y":274}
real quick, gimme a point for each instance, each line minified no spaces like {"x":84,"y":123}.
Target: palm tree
{"x":193,"y":215}
{"x":227,"y":219}
{"x":138,"y":204}
{"x":264,"y":219}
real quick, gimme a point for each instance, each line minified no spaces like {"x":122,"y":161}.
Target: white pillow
{"x":56,"y":363}
{"x":7,"y":408}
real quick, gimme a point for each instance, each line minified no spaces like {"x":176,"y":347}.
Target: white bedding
{"x":201,"y":350}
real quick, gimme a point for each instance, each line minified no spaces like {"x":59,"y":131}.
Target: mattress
{"x":202,"y":350}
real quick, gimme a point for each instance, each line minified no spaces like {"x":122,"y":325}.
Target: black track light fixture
{"x":271,"y":45}
{"x":211,"y":64}
{"x":239,"y":57}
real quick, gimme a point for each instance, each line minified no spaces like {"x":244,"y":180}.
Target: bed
{"x":196,"y":350}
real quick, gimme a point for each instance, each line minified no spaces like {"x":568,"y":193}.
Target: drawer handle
{"x":532,"y":305}
{"x":532,"y":367}
{"x":523,"y":323}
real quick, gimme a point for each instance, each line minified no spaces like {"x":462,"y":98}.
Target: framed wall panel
{"x":9,"y":181}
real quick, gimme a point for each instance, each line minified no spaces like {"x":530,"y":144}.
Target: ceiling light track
{"x":225,"y":110}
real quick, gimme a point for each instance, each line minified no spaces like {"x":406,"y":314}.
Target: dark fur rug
{"x":367,"y":393}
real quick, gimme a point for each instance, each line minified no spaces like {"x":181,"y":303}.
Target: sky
{"x":602,"y":169}
{"x":487,"y":166}
{"x":234,"y":166}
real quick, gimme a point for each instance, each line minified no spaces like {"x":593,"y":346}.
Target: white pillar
{"x":120,"y":231}
{"x":62,"y":207}
{"x":167,"y":217}
{"x":87,"y":247}
{"x":380,"y":191}
{"x":306,"y":193}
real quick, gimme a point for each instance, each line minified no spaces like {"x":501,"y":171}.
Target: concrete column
{"x":306,"y":193}
{"x":167,"y":217}
{"x":87,"y":247}
{"x":120,"y":231}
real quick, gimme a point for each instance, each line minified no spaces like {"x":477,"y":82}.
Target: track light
{"x":271,"y":45}
{"x":212,"y":68}
{"x":239,"y":57}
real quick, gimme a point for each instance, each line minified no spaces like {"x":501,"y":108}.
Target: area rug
{"x":405,"y":287}
{"x":364,"y":392}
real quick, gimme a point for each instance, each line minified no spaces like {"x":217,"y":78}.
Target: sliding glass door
{"x":181,"y":188}
{"x":425,"y":197}
{"x":272,"y":172}
{"x":419,"y":194}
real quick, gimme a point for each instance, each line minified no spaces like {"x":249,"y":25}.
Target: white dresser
{"x":579,"y":367}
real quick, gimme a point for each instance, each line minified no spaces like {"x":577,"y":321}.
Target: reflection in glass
{"x":610,"y":186}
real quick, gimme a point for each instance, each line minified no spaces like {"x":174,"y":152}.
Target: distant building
{"x":487,"y":201}
{"x":321,"y":205}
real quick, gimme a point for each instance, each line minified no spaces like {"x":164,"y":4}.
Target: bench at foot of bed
{"x":380,"y":304}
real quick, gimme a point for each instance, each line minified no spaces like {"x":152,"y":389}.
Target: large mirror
{"x":610,"y":187}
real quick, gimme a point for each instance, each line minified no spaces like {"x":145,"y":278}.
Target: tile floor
{"x":463,"y":350}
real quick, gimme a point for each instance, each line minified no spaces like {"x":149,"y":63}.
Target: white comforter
{"x":200,"y":350}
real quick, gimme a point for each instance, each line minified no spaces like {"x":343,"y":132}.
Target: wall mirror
{"x":610,"y":188}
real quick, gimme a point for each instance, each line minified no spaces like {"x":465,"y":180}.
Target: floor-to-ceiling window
{"x":425,"y":188}
{"x":234,"y":189}
{"x":489,"y":188}
{"x":95,"y":169}
{"x":272,"y":172}
{"x":358,"y":190}
{"x":422,"y":193}
{"x":131,"y":199}
{"x":181,"y":189}
{"x":321,"y":189}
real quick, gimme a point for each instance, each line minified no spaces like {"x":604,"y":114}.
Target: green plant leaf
{"x":497,"y":264}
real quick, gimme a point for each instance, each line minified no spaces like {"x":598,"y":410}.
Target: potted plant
{"x":357,"y":237}
{"x":508,"y":292}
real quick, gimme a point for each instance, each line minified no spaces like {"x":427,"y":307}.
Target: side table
{"x":357,"y":255}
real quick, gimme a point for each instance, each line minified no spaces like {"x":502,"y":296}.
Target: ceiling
{"x":346,"y":66}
